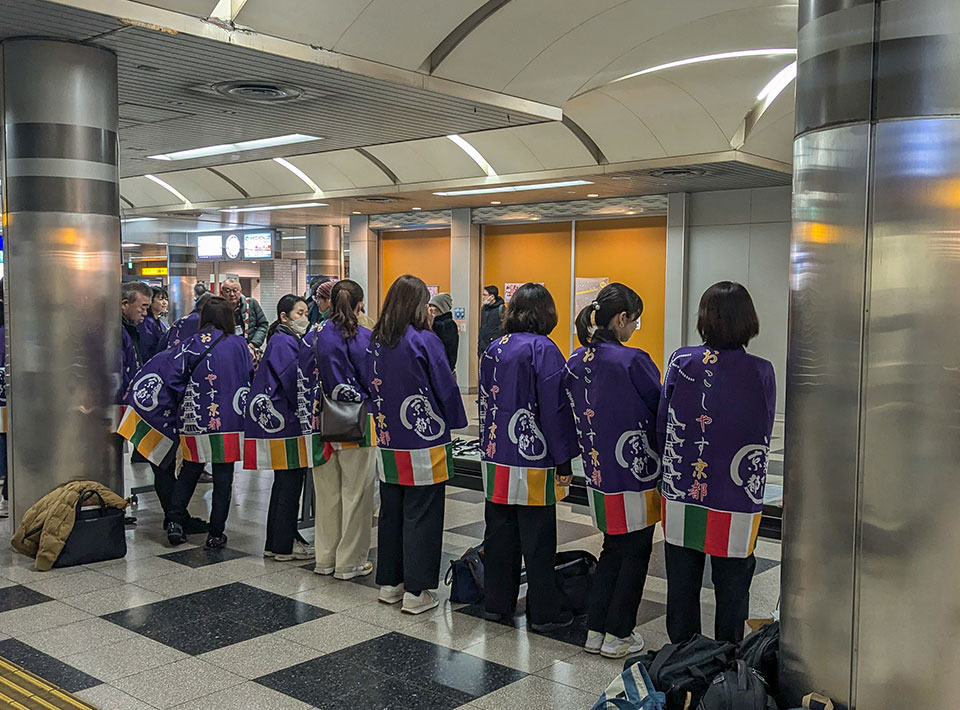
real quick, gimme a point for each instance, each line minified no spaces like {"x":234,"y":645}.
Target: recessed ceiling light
{"x":300,"y":174}
{"x":494,"y":202}
{"x":235,"y":147}
{"x":416,"y":209}
{"x":514,"y":188}
{"x":593,"y":194}
{"x":474,"y":154}
{"x":270,"y":208}
{"x":739,"y":54}
{"x":169,"y":188}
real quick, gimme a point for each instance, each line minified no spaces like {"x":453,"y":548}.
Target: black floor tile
{"x":650,"y":610}
{"x":322,"y":682}
{"x":474,"y":530}
{"x":396,"y":694}
{"x":201,"y":556}
{"x":214,"y":618}
{"x":18,"y":596}
{"x":465,"y":673}
{"x":50,"y":669}
{"x":468,"y":496}
{"x":394,"y":653}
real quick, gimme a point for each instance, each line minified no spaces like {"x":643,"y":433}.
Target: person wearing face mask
{"x":278,"y":427}
{"x":491,"y":317}
{"x":615,"y":392}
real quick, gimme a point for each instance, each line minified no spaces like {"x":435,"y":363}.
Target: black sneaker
{"x":566,"y":618}
{"x":175,"y":534}
{"x":195,"y":525}
{"x":215,"y":542}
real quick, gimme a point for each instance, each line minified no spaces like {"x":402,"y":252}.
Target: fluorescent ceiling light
{"x":300,"y":174}
{"x":127,"y":245}
{"x":739,"y":54}
{"x":235,"y":147}
{"x":270,"y":208}
{"x":128,"y":220}
{"x":777,"y":84}
{"x":169,"y":188}
{"x":475,"y":154}
{"x":514,"y":188}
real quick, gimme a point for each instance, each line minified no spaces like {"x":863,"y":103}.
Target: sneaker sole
{"x":419,"y":609}
{"x":390,"y":600}
{"x":292,"y":558}
{"x":615,"y":655}
{"x":591,"y":651}
{"x":346,"y":576}
{"x":325,"y":571}
{"x":268,"y":554}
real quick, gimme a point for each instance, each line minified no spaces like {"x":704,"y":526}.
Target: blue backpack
{"x":631,"y":690}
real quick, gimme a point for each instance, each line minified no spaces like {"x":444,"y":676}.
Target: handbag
{"x":343,"y":422}
{"x":574,"y":570}
{"x":465,"y":577}
{"x":97,"y":535}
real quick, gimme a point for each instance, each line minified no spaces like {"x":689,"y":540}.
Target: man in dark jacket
{"x":441,"y":308}
{"x":490,"y":316}
{"x":251,"y":323}
{"x":135,"y":299}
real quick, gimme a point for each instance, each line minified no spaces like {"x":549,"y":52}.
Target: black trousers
{"x":284,"y":510}
{"x":618,"y":582}
{"x":410,"y":536}
{"x":186,"y":484}
{"x":731,"y":581}
{"x":163,"y":482}
{"x":512,"y":532}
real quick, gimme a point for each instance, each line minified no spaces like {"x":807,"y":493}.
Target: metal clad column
{"x":182,"y":276}
{"x":677,"y":276}
{"x":62,"y":232}
{"x":365,"y":261}
{"x":323,"y":251}
{"x":870,"y":532}
{"x":465,"y":290}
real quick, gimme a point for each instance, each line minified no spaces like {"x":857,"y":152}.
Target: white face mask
{"x":300,"y":325}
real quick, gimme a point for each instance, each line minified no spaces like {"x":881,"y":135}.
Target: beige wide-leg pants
{"x":343,"y":487}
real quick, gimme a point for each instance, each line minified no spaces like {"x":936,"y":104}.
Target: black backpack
{"x":574,"y":570}
{"x":683,"y":671}
{"x":761,"y":651}
{"x":739,"y":688}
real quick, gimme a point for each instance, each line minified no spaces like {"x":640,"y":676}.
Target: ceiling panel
{"x":505,"y":150}
{"x":424,"y":161}
{"x":145,"y":193}
{"x":264,"y":178}
{"x":554,"y":145}
{"x":620,"y":133}
{"x":201,"y":185}
{"x":772,"y":137}
{"x":354,"y":170}
{"x":197,"y":8}
{"x":318,"y":22}
{"x":163,"y":72}
{"x":323,"y":172}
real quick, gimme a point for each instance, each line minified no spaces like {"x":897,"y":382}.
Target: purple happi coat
{"x":279,"y":417}
{"x":180,"y":331}
{"x":192,"y":395}
{"x":614,"y":391}
{"x":526,"y":427}
{"x":415,"y":403}
{"x":714,"y":426}
{"x":151,"y":331}
{"x":333,"y":365}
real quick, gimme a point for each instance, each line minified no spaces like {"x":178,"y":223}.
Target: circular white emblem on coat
{"x":146,"y":391}
{"x":748,"y":469}
{"x":417,"y":415}
{"x":635,"y":454}
{"x":524,"y":432}
{"x":240,"y":400}
{"x":265,"y":414}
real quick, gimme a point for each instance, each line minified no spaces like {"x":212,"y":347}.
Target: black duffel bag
{"x":574,"y":570}
{"x":761,"y":651}
{"x":97,"y":535}
{"x":683,"y":671}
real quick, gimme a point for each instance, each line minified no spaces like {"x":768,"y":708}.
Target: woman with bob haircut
{"x":527,"y":442}
{"x":415,"y":403}
{"x":614,"y":391}
{"x":714,"y":427}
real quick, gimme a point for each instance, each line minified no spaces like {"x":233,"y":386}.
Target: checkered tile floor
{"x":190,"y":629}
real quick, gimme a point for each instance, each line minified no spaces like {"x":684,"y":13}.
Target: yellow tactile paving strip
{"x":22,"y":690}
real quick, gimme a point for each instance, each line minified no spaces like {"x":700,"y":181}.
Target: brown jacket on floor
{"x":47,"y":524}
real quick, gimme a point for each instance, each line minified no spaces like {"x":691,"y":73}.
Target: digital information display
{"x":258,"y":245}
{"x":210,"y":246}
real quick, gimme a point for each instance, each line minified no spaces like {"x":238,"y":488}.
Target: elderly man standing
{"x":251,"y":323}
{"x":135,"y":298}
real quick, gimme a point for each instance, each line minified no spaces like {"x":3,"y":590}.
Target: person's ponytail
{"x":593,"y":320}
{"x":344,"y":299}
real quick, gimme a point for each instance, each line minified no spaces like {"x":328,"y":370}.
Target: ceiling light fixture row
{"x":239,"y":147}
{"x":738,"y":54}
{"x":513,"y":188}
{"x":270,"y":208}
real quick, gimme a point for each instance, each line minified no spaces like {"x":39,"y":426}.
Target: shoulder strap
{"x":660,"y":661}
{"x":205,"y":353}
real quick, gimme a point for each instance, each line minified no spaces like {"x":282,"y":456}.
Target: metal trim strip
{"x":61,"y":140}
{"x":57,"y":194}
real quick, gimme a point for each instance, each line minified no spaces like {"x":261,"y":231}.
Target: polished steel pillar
{"x":323,"y":251}
{"x":182,"y":276}
{"x":871,"y":532}
{"x":62,"y":252}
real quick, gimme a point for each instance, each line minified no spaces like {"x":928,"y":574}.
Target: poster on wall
{"x":587,"y":290}
{"x":511,"y":288}
{"x":434,"y":290}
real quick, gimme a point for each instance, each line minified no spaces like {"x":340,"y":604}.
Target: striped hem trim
{"x":714,"y":532}
{"x":276,"y":454}
{"x":224,"y":447}
{"x":520,"y":485}
{"x":417,"y":467}
{"x":626,"y":512}
{"x":148,"y":441}
{"x":320,"y":451}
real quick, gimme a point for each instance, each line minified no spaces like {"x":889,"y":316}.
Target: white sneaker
{"x":351,"y":572}
{"x":614,"y":647}
{"x":594,"y":642}
{"x":268,"y":554}
{"x":4,"y":508}
{"x":414,"y":604}
{"x":326,"y":571}
{"x":391,"y":593}
{"x":299,"y":552}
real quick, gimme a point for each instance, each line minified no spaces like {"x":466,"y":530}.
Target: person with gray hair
{"x":252,"y":324}
{"x":135,"y":298}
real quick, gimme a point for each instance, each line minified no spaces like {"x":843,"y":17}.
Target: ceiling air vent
{"x":259,"y":92}
{"x":677,"y":173}
{"x":378,"y":200}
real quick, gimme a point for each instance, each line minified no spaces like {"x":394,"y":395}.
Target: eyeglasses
{"x":226,"y":291}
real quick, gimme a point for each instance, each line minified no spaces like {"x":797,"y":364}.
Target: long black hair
{"x":727,"y":319}
{"x":405,"y":304}
{"x":284,"y":306}
{"x":531,"y":310}
{"x":344,"y":299}
{"x":612,"y":300}
{"x":217,"y":314}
